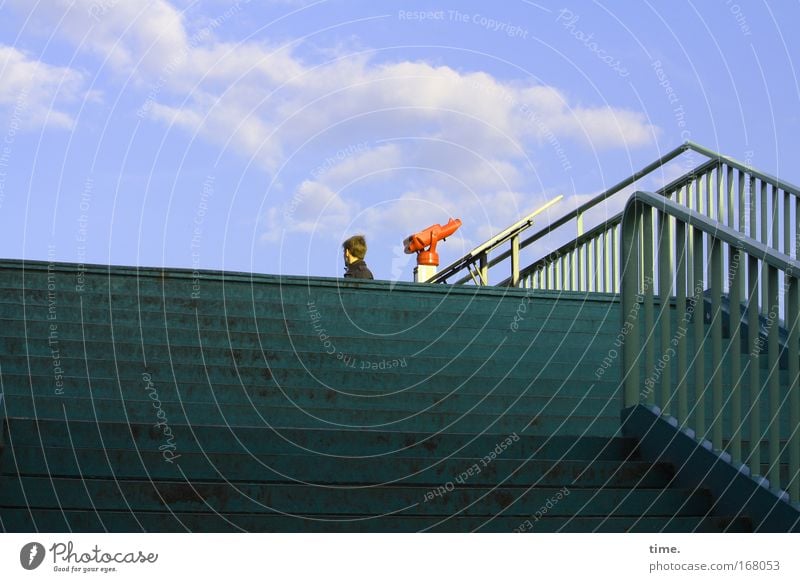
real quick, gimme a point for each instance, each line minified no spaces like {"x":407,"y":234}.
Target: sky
{"x":257,"y":136}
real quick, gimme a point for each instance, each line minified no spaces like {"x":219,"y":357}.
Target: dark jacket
{"x":358,"y":270}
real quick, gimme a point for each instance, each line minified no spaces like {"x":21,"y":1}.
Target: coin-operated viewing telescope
{"x":424,"y":244}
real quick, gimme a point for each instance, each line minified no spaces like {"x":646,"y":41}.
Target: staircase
{"x":644,"y":376}
{"x":233,"y":402}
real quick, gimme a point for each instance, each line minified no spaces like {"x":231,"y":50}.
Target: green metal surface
{"x":172,"y":400}
{"x":264,"y":427}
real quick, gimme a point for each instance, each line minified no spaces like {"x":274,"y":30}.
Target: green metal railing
{"x":720,"y":187}
{"x":673,"y":258}
{"x":476,"y":262}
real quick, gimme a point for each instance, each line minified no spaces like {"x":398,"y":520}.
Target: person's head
{"x":355,"y":248}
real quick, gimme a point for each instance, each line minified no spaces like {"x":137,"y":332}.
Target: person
{"x":355,"y":249}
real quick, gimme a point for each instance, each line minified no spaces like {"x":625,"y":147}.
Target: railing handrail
{"x":781,"y":184}
{"x":718,"y":230}
{"x":588,"y":235}
{"x":572,"y":214}
{"x":686,"y":146}
{"x":605,"y":225}
{"x":714,"y":158}
{"x":497,"y":240}
{"x":694,"y":266}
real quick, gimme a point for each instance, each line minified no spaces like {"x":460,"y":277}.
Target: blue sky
{"x":256,"y":136}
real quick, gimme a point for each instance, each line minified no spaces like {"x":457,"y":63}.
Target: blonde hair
{"x":357,"y":245}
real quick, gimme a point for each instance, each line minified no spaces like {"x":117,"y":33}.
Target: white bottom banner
{"x":401,"y":557}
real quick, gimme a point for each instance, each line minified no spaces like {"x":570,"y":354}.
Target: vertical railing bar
{"x":716,"y":280}
{"x":567,"y":274}
{"x":787,"y":225}
{"x":556,"y":274}
{"x":742,"y":203}
{"x":608,"y":285}
{"x":795,"y":207}
{"x":598,"y":262}
{"x":682,"y":261}
{"x":602,"y":274}
{"x":590,"y":266}
{"x":750,"y":184}
{"x":665,"y":313}
{"x":616,"y":243}
{"x":629,"y":263}
{"x":736,"y":269}
{"x":788,"y":243}
{"x":515,"y":261}
{"x":711,"y":211}
{"x":721,"y":195}
{"x":773,"y":358}
{"x":544,"y":277}
{"x":730,"y":196}
{"x":560,"y":270}
{"x":690,"y":202}
{"x":754,"y":458}
{"x":484,"y":269}
{"x":700,"y":192}
{"x":699,"y":416}
{"x":573,"y":270}
{"x":774,"y":226}
{"x":648,"y":277}
{"x":764,"y":239}
{"x":793,"y":342}
{"x":601,"y":265}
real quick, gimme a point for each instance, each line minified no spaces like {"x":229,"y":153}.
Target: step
{"x":286,"y":370}
{"x":243,"y":405}
{"x":221,"y":331}
{"x":110,"y":494}
{"x":37,"y":338}
{"x":344,"y":471}
{"x":182,"y":418}
{"x":243,"y":298}
{"x":321,"y":355}
{"x":383,"y":306}
{"x":298,"y":382}
{"x":68,"y":521}
{"x":337,"y":442}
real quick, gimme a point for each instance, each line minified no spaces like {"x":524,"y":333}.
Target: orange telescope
{"x":424,"y":242}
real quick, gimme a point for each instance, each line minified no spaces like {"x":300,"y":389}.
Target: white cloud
{"x":474,"y":132}
{"x":314,"y":208}
{"x":34,"y":91}
{"x":409,"y":213}
{"x":270,"y":85}
{"x":379,"y":160}
{"x":129,"y":35}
